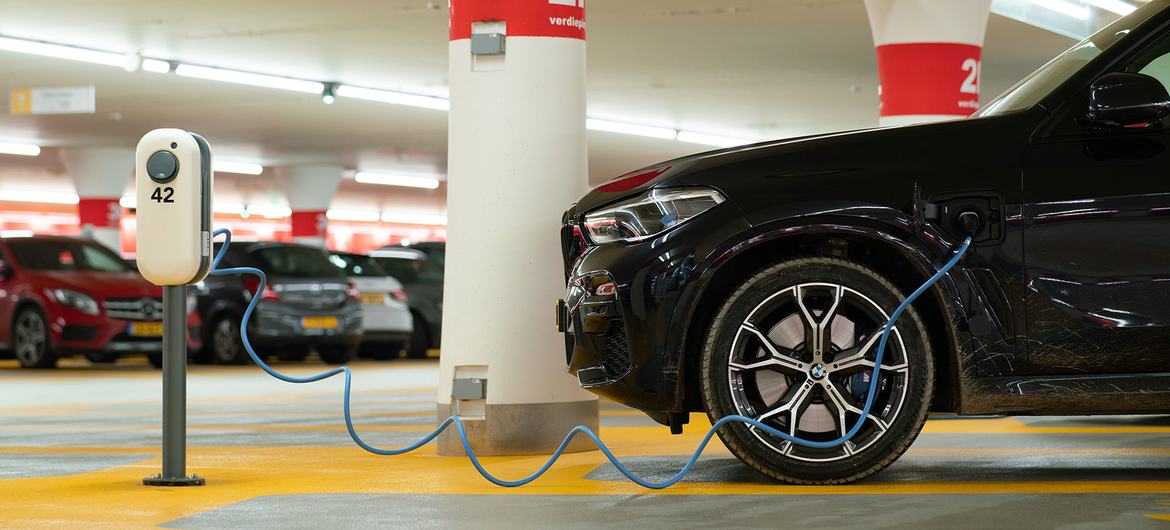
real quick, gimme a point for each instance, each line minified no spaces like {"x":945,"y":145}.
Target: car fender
{"x":927,"y":251}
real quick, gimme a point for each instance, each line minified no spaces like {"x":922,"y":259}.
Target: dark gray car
{"x":309,"y":303}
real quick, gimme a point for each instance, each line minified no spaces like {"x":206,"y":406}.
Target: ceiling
{"x":746,"y":68}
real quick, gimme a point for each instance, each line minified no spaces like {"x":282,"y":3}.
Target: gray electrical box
{"x":487,"y":43}
{"x":468,"y":388}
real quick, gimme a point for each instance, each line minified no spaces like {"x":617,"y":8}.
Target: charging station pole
{"x":173,"y":179}
{"x":174,"y":418}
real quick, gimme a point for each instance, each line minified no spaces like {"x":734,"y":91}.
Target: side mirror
{"x":1123,"y":99}
{"x":6,"y":271}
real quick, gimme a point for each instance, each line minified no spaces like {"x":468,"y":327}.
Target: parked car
{"x":420,"y":269}
{"x":309,"y":303}
{"x":754,"y":280}
{"x":386,"y":320}
{"x":66,"y":295}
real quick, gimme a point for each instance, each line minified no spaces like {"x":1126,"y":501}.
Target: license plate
{"x":376,"y":299}
{"x":146,"y":329}
{"x":319,"y":322}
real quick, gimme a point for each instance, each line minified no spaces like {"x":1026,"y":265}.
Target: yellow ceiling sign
{"x":20,"y":101}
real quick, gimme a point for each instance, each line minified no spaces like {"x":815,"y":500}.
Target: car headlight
{"x":650,"y":214}
{"x":76,"y":300}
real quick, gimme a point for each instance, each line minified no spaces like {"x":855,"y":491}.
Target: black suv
{"x":419,"y":267}
{"x":308,"y":303}
{"x":755,"y":280}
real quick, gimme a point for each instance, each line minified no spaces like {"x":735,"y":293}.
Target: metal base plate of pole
{"x":174,"y":432}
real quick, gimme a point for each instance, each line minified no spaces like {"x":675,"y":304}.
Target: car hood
{"x":99,"y":284}
{"x":826,"y":157}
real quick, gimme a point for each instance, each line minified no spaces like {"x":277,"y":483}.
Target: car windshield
{"x":1042,"y":82}
{"x":357,"y":265}
{"x":295,"y":262}
{"x":65,"y":255}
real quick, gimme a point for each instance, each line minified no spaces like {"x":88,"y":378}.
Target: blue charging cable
{"x":580,"y":429}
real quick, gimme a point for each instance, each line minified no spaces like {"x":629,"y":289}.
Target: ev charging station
{"x":173,"y":183}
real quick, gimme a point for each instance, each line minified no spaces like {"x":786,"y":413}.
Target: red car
{"x":64,"y":295}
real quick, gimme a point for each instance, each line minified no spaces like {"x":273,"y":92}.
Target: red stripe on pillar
{"x":525,"y":18}
{"x":99,"y":212}
{"x":929,"y":78}
{"x":310,"y":223}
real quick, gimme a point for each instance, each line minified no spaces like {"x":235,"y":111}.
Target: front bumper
{"x":626,"y":345}
{"x":73,"y":332}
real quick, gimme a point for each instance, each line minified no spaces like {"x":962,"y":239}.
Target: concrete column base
{"x":522,"y":429}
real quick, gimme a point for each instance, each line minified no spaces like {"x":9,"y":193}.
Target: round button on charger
{"x":162,"y":166}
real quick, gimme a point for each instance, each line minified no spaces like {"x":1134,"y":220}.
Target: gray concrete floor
{"x":94,"y":430}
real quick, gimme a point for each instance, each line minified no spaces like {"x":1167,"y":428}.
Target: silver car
{"x":386,"y":318}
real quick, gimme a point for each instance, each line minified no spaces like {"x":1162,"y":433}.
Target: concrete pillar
{"x":928,"y":54}
{"x":310,"y":189}
{"x":517,"y":160}
{"x":100,"y":175}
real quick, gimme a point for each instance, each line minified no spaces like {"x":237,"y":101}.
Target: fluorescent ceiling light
{"x":1116,"y":6}
{"x":249,"y":78}
{"x":692,"y":137}
{"x":49,"y":197}
{"x":629,"y":128}
{"x":20,"y":149}
{"x":16,"y":233}
{"x":414,"y":218}
{"x":353,"y":215}
{"x":243,"y":168}
{"x":397,"y":98}
{"x":1078,"y":12}
{"x":157,"y":66}
{"x":129,"y":202}
{"x":60,"y":51}
{"x":408,"y":181}
{"x":227,"y":207}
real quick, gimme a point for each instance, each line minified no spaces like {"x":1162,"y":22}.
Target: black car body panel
{"x":1061,"y":306}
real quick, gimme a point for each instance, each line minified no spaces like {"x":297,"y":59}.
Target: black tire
{"x":293,"y":353}
{"x":846,"y":295}
{"x":420,"y":339}
{"x":223,"y":340}
{"x":156,"y":360}
{"x":336,"y":354}
{"x":30,"y":340}
{"x":102,"y":357}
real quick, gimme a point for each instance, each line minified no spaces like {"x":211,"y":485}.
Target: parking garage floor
{"x":75,"y":443}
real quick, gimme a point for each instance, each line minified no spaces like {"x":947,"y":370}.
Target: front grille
{"x":77,"y":332}
{"x":617,"y":351}
{"x":135,"y":308}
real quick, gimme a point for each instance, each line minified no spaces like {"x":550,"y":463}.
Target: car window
{"x":65,"y":255}
{"x":1043,"y":81}
{"x":296,"y":262}
{"x":357,"y":265}
{"x":404,"y":270}
{"x":1153,"y":61}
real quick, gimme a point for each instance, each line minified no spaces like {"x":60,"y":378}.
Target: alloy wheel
{"x":30,"y":340}
{"x":224,"y":341}
{"x":801,"y":362}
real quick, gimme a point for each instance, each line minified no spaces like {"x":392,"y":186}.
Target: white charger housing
{"x":173,"y":182}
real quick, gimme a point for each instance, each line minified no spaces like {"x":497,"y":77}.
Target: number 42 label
{"x":163,"y":194}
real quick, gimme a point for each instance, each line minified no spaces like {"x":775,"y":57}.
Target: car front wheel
{"x":30,"y":340}
{"x":793,"y":347}
{"x":224,"y":340}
